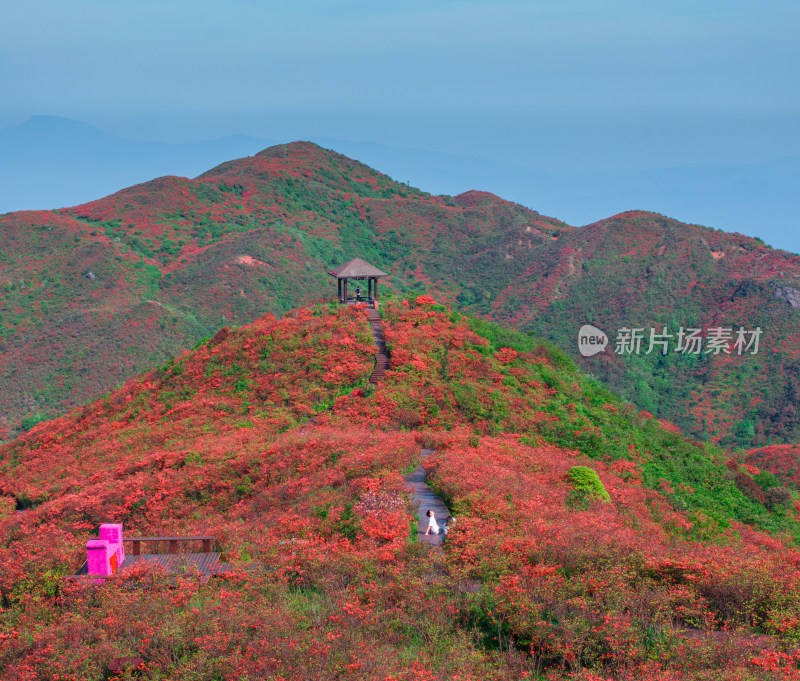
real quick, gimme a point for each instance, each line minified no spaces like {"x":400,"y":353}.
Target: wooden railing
{"x":173,"y":542}
{"x":207,"y":540}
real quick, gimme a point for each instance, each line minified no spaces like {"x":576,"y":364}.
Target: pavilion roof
{"x":357,"y":269}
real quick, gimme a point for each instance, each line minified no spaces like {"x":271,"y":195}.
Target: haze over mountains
{"x":50,"y":162}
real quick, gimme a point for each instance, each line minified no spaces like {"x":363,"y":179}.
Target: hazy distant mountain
{"x":49,"y":162}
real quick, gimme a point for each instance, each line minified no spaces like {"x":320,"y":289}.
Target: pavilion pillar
{"x":360,"y":272}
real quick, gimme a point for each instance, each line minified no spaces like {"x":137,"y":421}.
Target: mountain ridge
{"x":259,"y":234}
{"x":735,"y":197}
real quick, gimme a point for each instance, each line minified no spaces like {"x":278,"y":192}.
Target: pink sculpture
{"x":105,"y":556}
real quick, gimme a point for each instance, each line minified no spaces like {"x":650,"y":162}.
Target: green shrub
{"x":765,"y":479}
{"x":586,"y":486}
{"x":30,"y":421}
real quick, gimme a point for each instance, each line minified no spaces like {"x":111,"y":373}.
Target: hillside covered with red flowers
{"x":93,"y":294}
{"x":592,"y":541}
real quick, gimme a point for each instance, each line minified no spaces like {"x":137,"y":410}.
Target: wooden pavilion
{"x":358,"y":270}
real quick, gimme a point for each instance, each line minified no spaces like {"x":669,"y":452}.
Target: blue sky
{"x":567,"y":85}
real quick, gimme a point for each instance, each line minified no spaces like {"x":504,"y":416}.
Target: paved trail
{"x":421,"y":495}
{"x":424,"y":496}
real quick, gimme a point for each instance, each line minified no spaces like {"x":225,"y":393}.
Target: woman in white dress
{"x":432,"y":526}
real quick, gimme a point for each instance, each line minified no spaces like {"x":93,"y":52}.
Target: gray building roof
{"x":357,"y":269}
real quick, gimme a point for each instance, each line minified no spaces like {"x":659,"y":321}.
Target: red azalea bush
{"x":270,"y":438}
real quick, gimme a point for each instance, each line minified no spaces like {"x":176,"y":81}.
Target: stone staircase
{"x":381,"y":358}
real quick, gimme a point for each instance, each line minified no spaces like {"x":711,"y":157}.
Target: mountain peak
{"x":44,"y":129}
{"x":299,"y":149}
